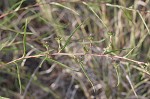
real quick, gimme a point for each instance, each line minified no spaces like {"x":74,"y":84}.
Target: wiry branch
{"x":79,"y":54}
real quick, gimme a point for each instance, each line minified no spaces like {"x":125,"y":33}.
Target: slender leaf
{"x":69,"y":38}
{"x":18,"y":74}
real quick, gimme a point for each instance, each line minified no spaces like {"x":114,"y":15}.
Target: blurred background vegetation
{"x":88,"y":49}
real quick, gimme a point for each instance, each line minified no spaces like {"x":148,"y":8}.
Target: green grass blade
{"x":18,"y":74}
{"x":82,"y":67}
{"x":9,"y":11}
{"x":69,"y":38}
{"x":112,"y":51}
{"x":19,"y":5}
{"x":118,"y":73}
{"x":42,"y":62}
{"x":92,"y":42}
{"x":129,"y":52}
{"x":61,"y":64}
{"x":24,"y":38}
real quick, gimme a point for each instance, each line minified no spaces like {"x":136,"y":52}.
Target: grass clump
{"x":71,"y":50}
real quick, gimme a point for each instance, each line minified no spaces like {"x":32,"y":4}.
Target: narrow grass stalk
{"x":62,"y":65}
{"x":118,"y":73}
{"x":82,"y":67}
{"x":58,"y":4}
{"x":19,"y":81}
{"x":130,"y":82}
{"x":127,"y":77}
{"x":24,"y":38}
{"x":19,"y":5}
{"x":69,"y":38}
{"x":96,"y":15}
{"x":136,"y":86}
{"x":144,"y":22}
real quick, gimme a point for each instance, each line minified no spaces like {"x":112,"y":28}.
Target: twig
{"x":102,"y":55}
{"x":79,"y":54}
{"x":26,"y":57}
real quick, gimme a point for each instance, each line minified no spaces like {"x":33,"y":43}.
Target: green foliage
{"x":77,"y":50}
